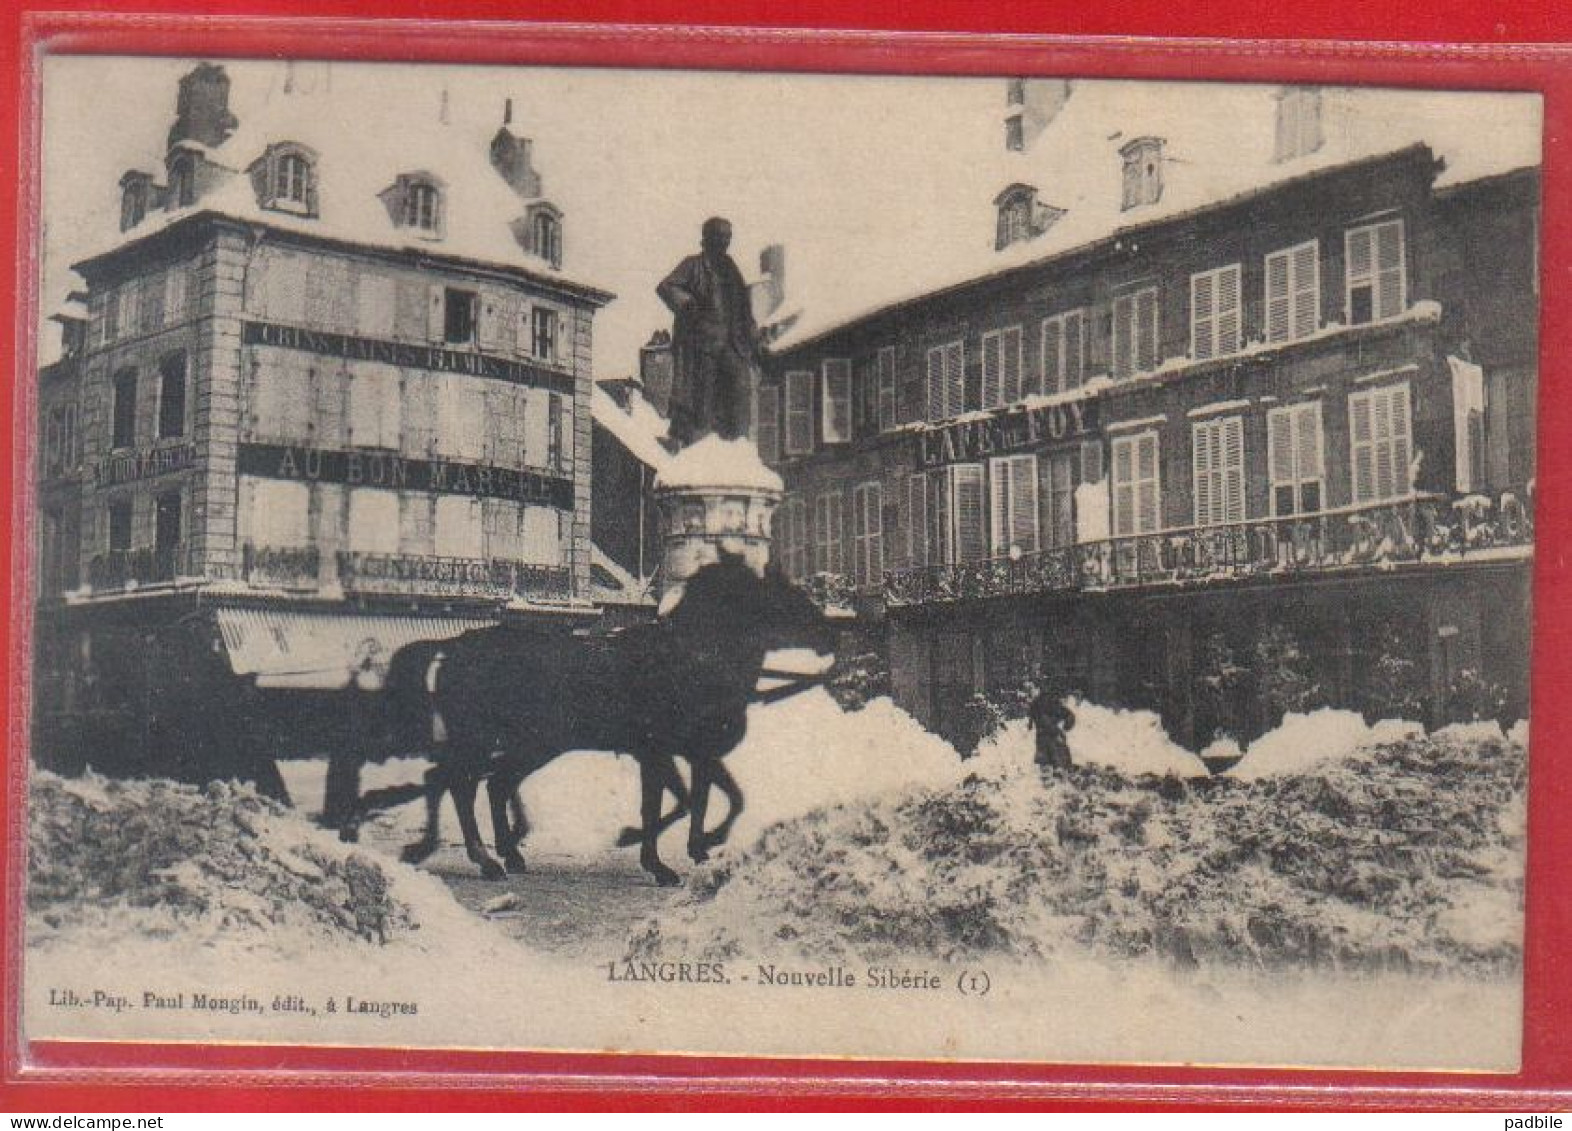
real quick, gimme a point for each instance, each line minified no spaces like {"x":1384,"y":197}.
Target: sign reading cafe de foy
{"x":967,"y":440}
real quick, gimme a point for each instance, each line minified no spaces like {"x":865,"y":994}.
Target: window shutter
{"x":436,"y":313}
{"x":992,"y":370}
{"x":1000,"y":472}
{"x":1205,"y":461}
{"x":941,"y":533}
{"x":1148,"y":516}
{"x":970,"y":536}
{"x":837,"y":401}
{"x":936,"y":383}
{"x":1074,"y":363}
{"x":1023,"y":503}
{"x":1307,"y":418}
{"x":1402,"y":477}
{"x":1281,"y":450}
{"x":1014,"y":386}
{"x":1228,"y":310}
{"x":1203,"y":315}
{"x":1306,"y":288}
{"x":1123,"y":486}
{"x":175,"y":295}
{"x":1091,"y":461}
{"x":1123,"y":328}
{"x":1053,"y":355}
{"x":491,"y":330}
{"x":1389,"y":259}
{"x":917,"y":519}
{"x":769,"y":431}
{"x":1279,"y":315}
{"x":1146,"y":332}
{"x":874,"y":510}
{"x":887,"y":408}
{"x":1362,"y":441}
{"x":1233,"y":470}
{"x":955,"y":378}
{"x":799,"y":413}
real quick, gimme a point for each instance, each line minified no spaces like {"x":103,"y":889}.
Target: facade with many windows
{"x":1182,"y":417}
{"x":319,"y":408}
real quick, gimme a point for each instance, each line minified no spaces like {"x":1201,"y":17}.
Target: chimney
{"x":511,"y":157}
{"x":656,"y":369}
{"x":202,"y":108}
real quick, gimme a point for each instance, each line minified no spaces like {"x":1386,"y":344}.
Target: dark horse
{"x":510,"y":700}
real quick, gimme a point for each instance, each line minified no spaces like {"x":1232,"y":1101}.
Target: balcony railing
{"x":281,"y":567}
{"x":1412,"y":530}
{"x":464,"y":577}
{"x":146,"y":565}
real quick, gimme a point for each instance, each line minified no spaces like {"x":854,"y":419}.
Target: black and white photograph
{"x":1021,"y":568}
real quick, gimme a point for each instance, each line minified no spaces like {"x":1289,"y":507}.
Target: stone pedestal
{"x":697,"y":523}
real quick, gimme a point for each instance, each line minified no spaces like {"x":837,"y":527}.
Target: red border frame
{"x":87,"y":1077}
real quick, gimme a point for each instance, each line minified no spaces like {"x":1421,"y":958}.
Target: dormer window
{"x":1022,"y":216}
{"x":286,"y":179}
{"x":182,"y":181}
{"x":541,"y":232}
{"x":1298,"y":122}
{"x":1143,"y":171}
{"x":422,"y":207}
{"x":135,"y":197}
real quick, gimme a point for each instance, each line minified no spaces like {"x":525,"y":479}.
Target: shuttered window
{"x":799,"y":413}
{"x":1058,"y":480}
{"x":791,"y":536}
{"x":867,"y":534}
{"x":1136,"y":487}
{"x":1012,"y":484}
{"x":917,"y":519}
{"x":1002,"y":381}
{"x":829,"y":533}
{"x":1135,"y":333}
{"x":946,"y":381}
{"x":1377,"y":277}
{"x":837,"y":393}
{"x":769,"y":430}
{"x":1381,"y":444}
{"x":458,"y":527}
{"x":956,"y":522}
{"x":416,"y":524}
{"x":1214,"y":313}
{"x":1064,"y":351}
{"x":1293,"y":292}
{"x":1219,"y":470}
{"x":461,"y":415}
{"x":886,"y":379}
{"x":1294,"y":459}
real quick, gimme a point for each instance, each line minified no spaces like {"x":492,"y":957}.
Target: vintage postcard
{"x":996,"y":568}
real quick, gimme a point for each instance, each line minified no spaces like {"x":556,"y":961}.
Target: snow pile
{"x":1304,"y":742}
{"x":713,"y":462}
{"x":1131,"y":742}
{"x":1409,"y":858}
{"x":798,"y":755}
{"x":153,"y":859}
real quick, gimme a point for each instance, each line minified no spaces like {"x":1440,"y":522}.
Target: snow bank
{"x":1304,"y":742}
{"x":1131,"y":742}
{"x":1409,"y":858}
{"x":713,"y":462}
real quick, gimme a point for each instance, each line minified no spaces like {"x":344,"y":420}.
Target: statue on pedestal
{"x":715,"y":342}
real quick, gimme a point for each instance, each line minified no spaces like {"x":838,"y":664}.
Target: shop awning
{"x":305,"y":649}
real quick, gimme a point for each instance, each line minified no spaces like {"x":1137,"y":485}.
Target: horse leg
{"x":652,"y":786}
{"x":464,"y":787}
{"x":721,"y":777}
{"x":500,"y":788}
{"x":699,"y":803}
{"x":671,"y":782}
{"x":436,"y":785}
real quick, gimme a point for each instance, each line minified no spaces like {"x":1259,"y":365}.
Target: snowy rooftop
{"x":639,"y":427}
{"x":366,"y":134}
{"x":1219,"y":145}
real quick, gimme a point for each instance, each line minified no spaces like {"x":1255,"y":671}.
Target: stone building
{"x":1239,"y":381}
{"x":331,"y":394}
